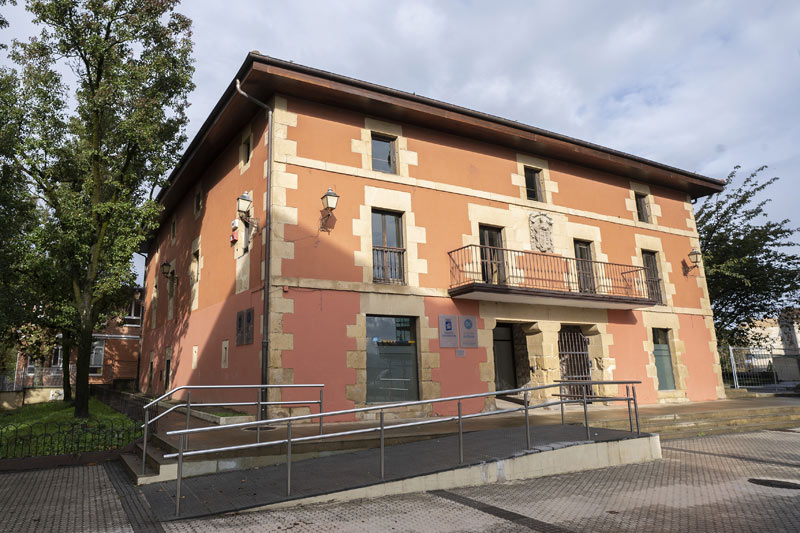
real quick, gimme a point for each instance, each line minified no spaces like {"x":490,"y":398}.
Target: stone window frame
{"x":650,"y":243}
{"x":538,"y":188}
{"x":225,"y":353}
{"x":546,"y":185}
{"x":195,"y":273}
{"x":653,"y":209}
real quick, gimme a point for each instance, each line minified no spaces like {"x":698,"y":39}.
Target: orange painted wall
{"x":702,"y":382}
{"x":628,"y":351}
{"x":457,"y":375}
{"x":319,"y":324}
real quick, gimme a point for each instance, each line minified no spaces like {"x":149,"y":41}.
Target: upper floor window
{"x":383,"y":158}
{"x":133,"y":317}
{"x":533,"y":184}
{"x":173,"y":229}
{"x":387,"y":247}
{"x":246,"y":150}
{"x":642,"y":212}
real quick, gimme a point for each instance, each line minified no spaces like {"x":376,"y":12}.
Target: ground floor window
{"x":663,"y":357}
{"x":391,"y":359}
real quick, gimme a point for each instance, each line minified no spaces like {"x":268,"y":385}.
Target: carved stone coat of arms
{"x":541,"y":226}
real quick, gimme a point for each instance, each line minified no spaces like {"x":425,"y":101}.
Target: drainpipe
{"x":267,"y":247}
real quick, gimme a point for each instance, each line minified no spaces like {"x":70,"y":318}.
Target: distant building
{"x":114,"y":360}
{"x":467,"y":253}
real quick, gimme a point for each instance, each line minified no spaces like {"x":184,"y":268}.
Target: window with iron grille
{"x":642,"y":212}
{"x":652,"y":279}
{"x":244,"y":327}
{"x":533,"y":184}
{"x":388,"y":261}
{"x":383,"y":158}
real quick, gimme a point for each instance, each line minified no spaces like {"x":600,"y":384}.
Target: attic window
{"x":198,"y":201}
{"x":246,"y":150}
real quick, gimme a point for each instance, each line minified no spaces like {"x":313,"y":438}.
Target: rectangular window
{"x":584,"y":266}
{"x":642,"y":212}
{"x":56,"y":362}
{"x":244,"y":327}
{"x":246,"y":149}
{"x":31,"y":368}
{"x":391,"y":359}
{"x":533,"y":184}
{"x":652,"y":279}
{"x":96,"y":361}
{"x":387,"y":248}
{"x":134,"y":315}
{"x":663,"y":357}
{"x":383,"y":153}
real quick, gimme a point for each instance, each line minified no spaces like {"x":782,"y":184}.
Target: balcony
{"x":503,"y":275}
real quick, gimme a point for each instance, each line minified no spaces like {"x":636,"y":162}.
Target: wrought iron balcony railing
{"x":388,"y":265}
{"x":486,"y":268}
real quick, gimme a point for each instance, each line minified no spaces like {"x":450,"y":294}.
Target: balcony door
{"x":584,"y":266}
{"x":492,"y":268}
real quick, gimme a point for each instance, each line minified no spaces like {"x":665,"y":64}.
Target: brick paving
{"x":700,"y":485}
{"x":77,"y":498}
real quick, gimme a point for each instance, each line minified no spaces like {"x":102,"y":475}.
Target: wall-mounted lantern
{"x":167,"y":270}
{"x":694,"y":257}
{"x":329,"y":202}
{"x":243,"y":205}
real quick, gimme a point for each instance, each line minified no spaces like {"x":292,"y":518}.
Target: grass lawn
{"x":51,"y":429}
{"x":100,"y":414}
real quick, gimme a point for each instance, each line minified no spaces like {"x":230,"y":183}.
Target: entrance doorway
{"x":505,"y":375}
{"x":573,"y":354}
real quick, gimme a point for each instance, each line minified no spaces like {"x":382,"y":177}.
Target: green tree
{"x":750,"y":265}
{"x":97,"y":142}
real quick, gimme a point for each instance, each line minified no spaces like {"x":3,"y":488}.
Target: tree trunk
{"x":82,"y":370}
{"x":66,"y":351}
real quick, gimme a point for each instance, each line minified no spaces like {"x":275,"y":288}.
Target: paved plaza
{"x":718,"y":483}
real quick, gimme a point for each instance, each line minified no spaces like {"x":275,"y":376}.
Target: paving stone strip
{"x":133,"y":502}
{"x":530,"y":523}
{"x":732,"y":456}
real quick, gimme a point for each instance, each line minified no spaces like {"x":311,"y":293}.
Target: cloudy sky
{"x":701,"y":85}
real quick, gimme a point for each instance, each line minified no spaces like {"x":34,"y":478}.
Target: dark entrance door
{"x":573,"y":353}
{"x":584,"y":266}
{"x":504,"y":371}
{"x":492,"y":269}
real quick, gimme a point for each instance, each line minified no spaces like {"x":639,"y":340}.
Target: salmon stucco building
{"x":403,"y":248}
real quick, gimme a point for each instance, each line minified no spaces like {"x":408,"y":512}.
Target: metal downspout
{"x":267,"y":246}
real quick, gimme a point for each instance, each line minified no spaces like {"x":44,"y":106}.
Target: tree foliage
{"x":750,"y":263}
{"x":100,"y":112}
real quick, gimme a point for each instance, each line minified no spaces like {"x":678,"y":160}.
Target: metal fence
{"x":57,"y":438}
{"x":754,"y":367}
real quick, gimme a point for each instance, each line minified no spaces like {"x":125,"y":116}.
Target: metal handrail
{"x":188,"y":405}
{"x":183,"y":434}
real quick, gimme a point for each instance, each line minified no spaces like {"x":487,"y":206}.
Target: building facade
{"x":465,"y":254}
